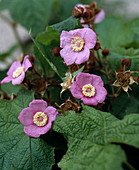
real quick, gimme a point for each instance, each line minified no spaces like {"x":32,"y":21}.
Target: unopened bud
{"x":56,"y":52}
{"x":78,"y":12}
{"x":88,"y":14}
{"x":105,"y":52}
{"x":97,"y":46}
{"x":125,"y":62}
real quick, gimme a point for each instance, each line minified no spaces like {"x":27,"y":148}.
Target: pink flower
{"x":76,"y":45}
{"x":99,"y":17}
{"x":16,"y":73}
{"x":89,"y":88}
{"x":37,"y":118}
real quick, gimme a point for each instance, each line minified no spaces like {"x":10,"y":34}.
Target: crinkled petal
{"x":38,"y":105}
{"x":35,"y":131}
{"x":65,"y":39}
{"x":76,"y":90}
{"x":97,"y":81}
{"x":100,"y":94}
{"x":89,"y":101}
{"x":69,"y":55}
{"x":26,"y":63}
{"x":26,"y":116}
{"x":99,"y":17}
{"x":19,"y":79}
{"x":82,"y":56}
{"x":13,"y":67}
{"x":83,"y":79}
{"x":51,"y":112}
{"x":32,"y":130}
{"x":89,"y":36}
{"x":45,"y":129}
{"x":6,"y":80}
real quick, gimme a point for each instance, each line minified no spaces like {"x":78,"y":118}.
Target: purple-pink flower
{"x":76,"y":45}
{"x":89,"y":88}
{"x":16,"y":72}
{"x":37,"y":118}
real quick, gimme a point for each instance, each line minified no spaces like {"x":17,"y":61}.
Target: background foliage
{"x":94,"y":139}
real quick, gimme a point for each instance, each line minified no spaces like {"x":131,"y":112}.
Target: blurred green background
{"x":18,"y":17}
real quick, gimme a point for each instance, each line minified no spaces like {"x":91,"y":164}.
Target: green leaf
{"x":9,"y":88}
{"x":69,"y":24}
{"x":32,"y":14}
{"x":124,"y":104}
{"x":89,"y":135}
{"x":17,"y":150}
{"x":114,"y":33}
{"x":49,"y":37}
{"x":56,"y":63}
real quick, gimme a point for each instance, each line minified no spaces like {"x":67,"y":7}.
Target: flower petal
{"x":69,"y":55}
{"x":51,"y":113}
{"x":45,"y":129}
{"x":76,"y":90}
{"x":32,"y":130}
{"x":99,"y":17}
{"x":13,"y":67}
{"x":89,"y":36}
{"x":65,"y":39}
{"x":19,"y":79}
{"x":38,"y":105}
{"x":6,"y":80}
{"x":83,"y":79}
{"x":35,"y":131}
{"x":100,"y":94}
{"x":26,"y":116}
{"x":82,"y":56}
{"x":26,"y":63}
{"x":89,"y":101}
{"x":97,"y":81}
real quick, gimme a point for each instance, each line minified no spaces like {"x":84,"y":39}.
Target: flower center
{"x":88,"y":90}
{"x":18,"y":72}
{"x":40,"y":119}
{"x":77,"y":44}
{"x":123,"y":79}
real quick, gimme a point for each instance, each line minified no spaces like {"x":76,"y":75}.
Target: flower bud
{"x":105,"y":52}
{"x":78,"y":12}
{"x":97,"y":46}
{"x":88,"y":14}
{"x":125,"y":62}
{"x":56,"y":52}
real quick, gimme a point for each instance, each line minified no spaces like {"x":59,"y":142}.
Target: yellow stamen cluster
{"x":88,"y":90}
{"x":18,"y":72}
{"x":77,"y":44}
{"x":40,"y":115}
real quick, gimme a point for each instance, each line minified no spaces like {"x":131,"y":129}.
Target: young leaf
{"x":89,"y":135}
{"x":66,"y":25}
{"x":56,"y":63}
{"x":17,"y":150}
